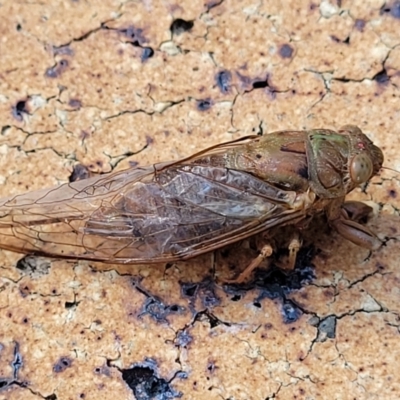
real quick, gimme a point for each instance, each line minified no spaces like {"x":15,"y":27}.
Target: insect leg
{"x":294,"y":247}
{"x":265,"y":252}
{"x":356,"y":210}
{"x":356,"y":233}
{"x":345,"y":221}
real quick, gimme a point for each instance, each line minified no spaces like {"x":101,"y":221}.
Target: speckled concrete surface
{"x":113,"y":84}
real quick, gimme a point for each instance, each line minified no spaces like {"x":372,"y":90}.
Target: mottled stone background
{"x":112,"y":84}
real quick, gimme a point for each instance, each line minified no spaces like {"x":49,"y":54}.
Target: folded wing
{"x":154,"y":214}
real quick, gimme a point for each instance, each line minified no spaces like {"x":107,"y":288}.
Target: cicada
{"x":177,"y":210}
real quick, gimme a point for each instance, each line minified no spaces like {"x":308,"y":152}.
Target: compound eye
{"x":361,"y":168}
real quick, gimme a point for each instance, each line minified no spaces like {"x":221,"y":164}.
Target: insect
{"x":177,"y":210}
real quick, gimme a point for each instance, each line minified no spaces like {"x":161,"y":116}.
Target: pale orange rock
{"x":112,"y":85}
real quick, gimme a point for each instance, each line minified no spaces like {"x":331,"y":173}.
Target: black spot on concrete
{"x":17,"y":363}
{"x":204,"y":291}
{"x":136,"y":38}
{"x":276,"y":283}
{"x":204,"y":105}
{"x":223,"y":79}
{"x":25,"y":290}
{"x":134,"y":35}
{"x":71,"y":304}
{"x":135,"y":43}
{"x":211,"y":4}
{"x":359,"y":24}
{"x":158,"y":310}
{"x":79,"y":173}
{"x":338,"y":40}
{"x":149,"y":140}
{"x":246,"y":81}
{"x":18,"y":27}
{"x":288,"y":281}
{"x":286,"y":51}
{"x":290,"y":312}
{"x":180,"y":25}
{"x":155,"y":307}
{"x":327,"y":329}
{"x":393,"y":8}
{"x":211,"y":367}
{"x":147,"y":53}
{"x":381,"y":78}
{"x":63,"y":50}
{"x":146,"y":384}
{"x":5,"y":383}
{"x":208,"y":297}
{"x":103,"y":370}
{"x":260,"y":84}
{"x":62,"y":364}
{"x":63,"y":63}
{"x":20,"y":109}
{"x":264,"y":84}
{"x":56,"y":70}
{"x":183,"y":339}
{"x":75,"y":104}
{"x":213,"y":320}
{"x":33,"y":265}
{"x":189,"y":289}
{"x":392,"y":193}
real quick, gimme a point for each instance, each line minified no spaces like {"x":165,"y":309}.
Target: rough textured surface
{"x":112,"y":84}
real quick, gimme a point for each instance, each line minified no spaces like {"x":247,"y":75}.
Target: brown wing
{"x":155,"y":214}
